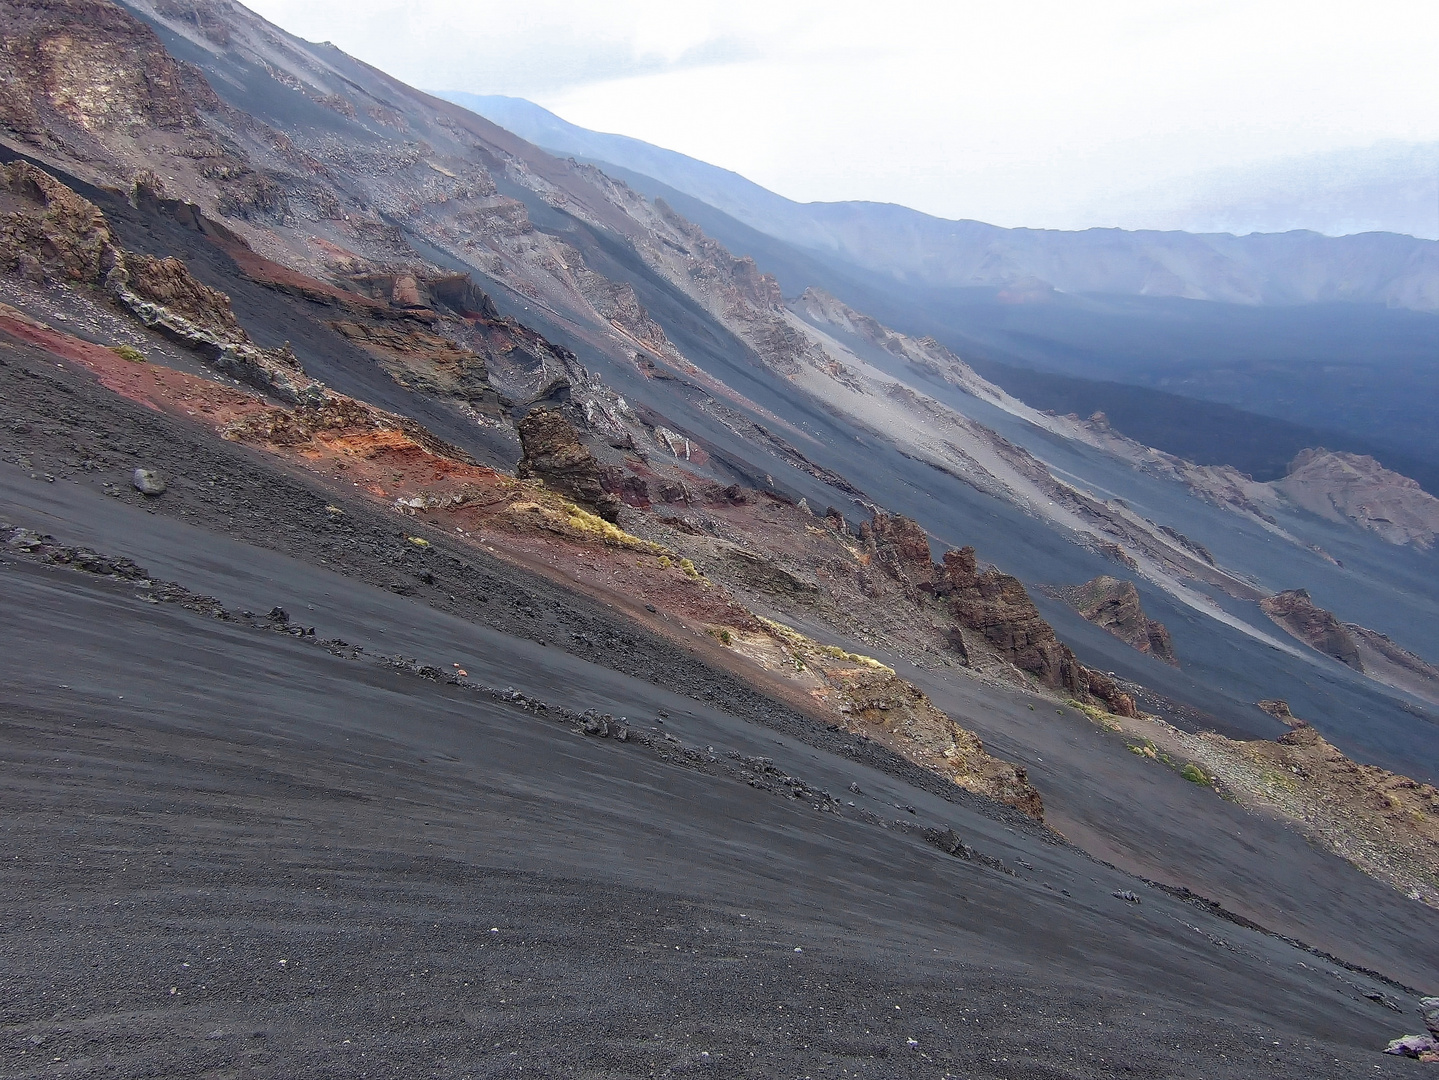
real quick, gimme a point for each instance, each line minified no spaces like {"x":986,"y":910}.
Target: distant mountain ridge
{"x":1260,"y":269}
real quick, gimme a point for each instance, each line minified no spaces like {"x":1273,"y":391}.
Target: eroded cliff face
{"x":1114,"y":605}
{"x":1357,"y":489}
{"x":1296,"y":611}
{"x":996,"y":605}
{"x":555,"y":454}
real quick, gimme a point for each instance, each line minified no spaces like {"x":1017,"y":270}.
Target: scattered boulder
{"x":148,"y":482}
{"x":554,"y":453}
{"x":1114,"y":605}
{"x":1423,"y":1047}
{"x":25,"y":540}
{"x":1296,"y":611}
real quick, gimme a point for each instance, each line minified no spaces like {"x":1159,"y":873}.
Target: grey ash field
{"x":237,"y":851}
{"x":369,"y":747}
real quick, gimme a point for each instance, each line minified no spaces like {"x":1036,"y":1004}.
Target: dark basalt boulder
{"x":554,"y":453}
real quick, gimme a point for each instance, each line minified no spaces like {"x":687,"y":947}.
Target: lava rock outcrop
{"x":997,"y":606}
{"x":1296,"y":611}
{"x":901,"y":547}
{"x":554,"y":453}
{"x":1114,"y":606}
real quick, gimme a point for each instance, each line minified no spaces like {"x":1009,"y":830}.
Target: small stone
{"x":24,"y":539}
{"x":148,"y":482}
{"x":1127,"y":896}
{"x":279,"y":615}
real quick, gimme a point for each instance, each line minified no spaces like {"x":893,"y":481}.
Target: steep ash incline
{"x":472,"y":883}
{"x":324,"y":314}
{"x":369,"y":180}
{"x":447,"y":852}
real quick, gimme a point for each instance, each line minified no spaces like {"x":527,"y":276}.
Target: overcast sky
{"x":1037,"y":112}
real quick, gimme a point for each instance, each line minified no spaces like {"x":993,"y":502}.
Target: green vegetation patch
{"x":1194,"y":774}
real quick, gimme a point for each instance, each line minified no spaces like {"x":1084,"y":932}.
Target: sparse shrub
{"x":665,"y":563}
{"x":128,"y":352}
{"x":689,"y":568}
{"x":1194,"y":774}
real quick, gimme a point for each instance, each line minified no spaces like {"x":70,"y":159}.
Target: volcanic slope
{"x":283,"y":853}
{"x":383,"y":182}
{"x":780,"y":432}
{"x":831,"y":392}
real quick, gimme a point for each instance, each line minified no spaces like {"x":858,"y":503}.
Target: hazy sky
{"x":1022,"y":112}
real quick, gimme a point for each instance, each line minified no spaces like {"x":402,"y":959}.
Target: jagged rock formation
{"x":1319,"y":629}
{"x":1279,"y":709}
{"x":1357,"y":489}
{"x":1369,"y":651}
{"x":49,"y":231}
{"x":1114,"y":605}
{"x":996,"y":605}
{"x":554,"y":454}
{"x":901,"y":547}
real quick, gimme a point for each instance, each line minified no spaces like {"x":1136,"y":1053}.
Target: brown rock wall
{"x":554,"y":453}
{"x":1296,"y":612}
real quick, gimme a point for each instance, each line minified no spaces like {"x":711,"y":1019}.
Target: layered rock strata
{"x":1114,"y":606}
{"x":554,"y":453}
{"x":997,"y":606}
